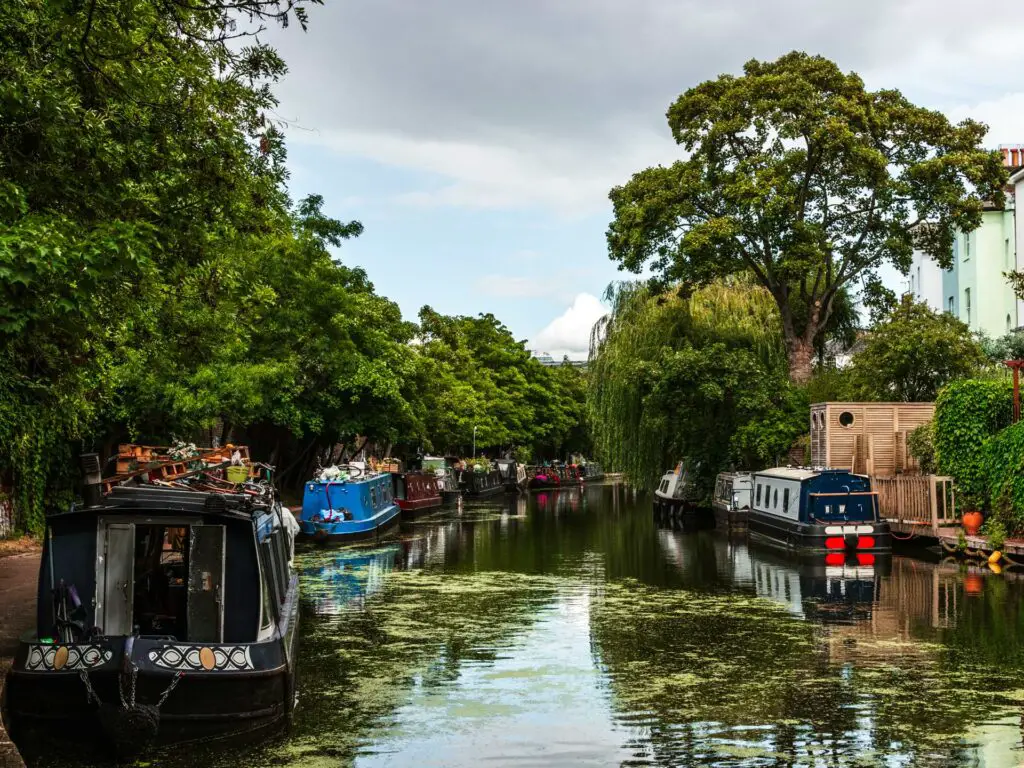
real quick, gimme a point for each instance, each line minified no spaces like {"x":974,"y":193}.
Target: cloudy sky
{"x":477,"y":139}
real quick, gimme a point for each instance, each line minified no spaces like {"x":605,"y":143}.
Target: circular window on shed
{"x":846,"y":419}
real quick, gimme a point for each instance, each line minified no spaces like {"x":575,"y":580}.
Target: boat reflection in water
{"x":336,"y":580}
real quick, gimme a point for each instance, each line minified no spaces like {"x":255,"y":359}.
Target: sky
{"x":477,"y":140}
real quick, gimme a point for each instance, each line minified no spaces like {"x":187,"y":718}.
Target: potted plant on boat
{"x":972,"y":517}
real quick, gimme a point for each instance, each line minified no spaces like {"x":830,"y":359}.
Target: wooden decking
{"x":917,"y":504}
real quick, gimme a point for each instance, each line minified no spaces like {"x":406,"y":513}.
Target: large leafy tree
{"x":799,"y":175}
{"x":913,"y":354}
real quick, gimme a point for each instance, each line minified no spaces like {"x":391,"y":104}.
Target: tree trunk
{"x":801,"y":359}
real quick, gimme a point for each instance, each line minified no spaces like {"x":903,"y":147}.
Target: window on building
{"x":1009,"y":323}
{"x":967,"y":247}
{"x":967,"y":305}
{"x":912,"y":289}
{"x":1009,"y":260}
{"x":952,"y":304}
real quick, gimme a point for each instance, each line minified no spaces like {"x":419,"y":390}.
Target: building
{"x":544,"y":358}
{"x":1017,"y":183}
{"x":866,"y":438}
{"x":975,"y":288}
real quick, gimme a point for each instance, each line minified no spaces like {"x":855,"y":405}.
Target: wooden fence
{"x":918,"y":503}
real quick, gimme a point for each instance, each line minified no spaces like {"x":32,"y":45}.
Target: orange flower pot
{"x":972,"y":522}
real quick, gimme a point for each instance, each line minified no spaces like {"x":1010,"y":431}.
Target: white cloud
{"x":569,"y":333}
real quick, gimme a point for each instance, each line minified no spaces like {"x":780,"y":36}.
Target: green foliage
{"x":157,"y":280}
{"x":921,"y":443}
{"x":1003,"y":467}
{"x":995,"y":530}
{"x":967,"y":414}
{"x":912,"y":354}
{"x":474,"y":374}
{"x":1007,"y":347}
{"x":698,"y":375}
{"x":799,"y":175}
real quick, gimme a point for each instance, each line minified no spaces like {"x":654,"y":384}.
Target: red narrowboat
{"x":416,"y":492}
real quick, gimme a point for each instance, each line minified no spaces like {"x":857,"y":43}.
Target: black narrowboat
{"x":480,"y":484}
{"x":167,"y":612}
{"x":513,"y":473}
{"x":817,"y":510}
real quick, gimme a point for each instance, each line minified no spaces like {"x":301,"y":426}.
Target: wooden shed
{"x":866,"y":438}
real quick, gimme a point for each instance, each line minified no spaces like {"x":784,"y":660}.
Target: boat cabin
{"x":814,"y":495}
{"x":733,"y":491}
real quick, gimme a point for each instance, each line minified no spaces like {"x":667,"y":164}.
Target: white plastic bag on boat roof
{"x":291,"y":529}
{"x":327,"y":474}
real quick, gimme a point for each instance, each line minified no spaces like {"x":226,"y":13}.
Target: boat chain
{"x":91,"y":695}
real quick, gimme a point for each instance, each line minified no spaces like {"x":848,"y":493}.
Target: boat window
{"x":269,"y":614}
{"x":162,"y":591}
{"x":758,"y":493}
{"x":775,"y":500}
{"x":269,"y":578}
{"x":785,"y":500}
{"x":206,"y":583}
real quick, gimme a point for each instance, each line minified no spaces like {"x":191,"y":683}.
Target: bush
{"x":967,"y":414}
{"x":921,"y":443}
{"x":1004,"y":470}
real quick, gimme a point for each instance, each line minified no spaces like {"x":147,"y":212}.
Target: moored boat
{"x":675,"y":493}
{"x":416,"y":492}
{"x":513,"y":473}
{"x":817,"y":510}
{"x":167,"y":609}
{"x":347,"y":503}
{"x":731,"y":501}
{"x":592,"y":472}
{"x":542,"y":478}
{"x":478,"y":483}
{"x":444,"y":471}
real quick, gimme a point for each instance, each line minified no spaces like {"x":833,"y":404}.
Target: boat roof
{"x":789,"y":473}
{"x":801,"y":473}
{"x":159,"y":500}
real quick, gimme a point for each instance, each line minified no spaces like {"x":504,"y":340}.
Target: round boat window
{"x":846,"y":419}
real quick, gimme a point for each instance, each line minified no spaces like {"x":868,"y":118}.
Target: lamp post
{"x":474,"y":440}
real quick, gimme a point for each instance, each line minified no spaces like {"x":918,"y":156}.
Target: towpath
{"x":17,"y":612}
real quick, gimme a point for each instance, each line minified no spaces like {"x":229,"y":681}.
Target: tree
{"x":800,"y":176}
{"x":913,"y":354}
{"x":699,"y":376}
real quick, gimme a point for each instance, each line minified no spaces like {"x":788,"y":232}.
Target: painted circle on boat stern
{"x":207,"y":659}
{"x":60,"y":658}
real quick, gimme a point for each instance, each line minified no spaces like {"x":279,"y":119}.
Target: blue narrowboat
{"x":817,"y":510}
{"x":348,"y":505}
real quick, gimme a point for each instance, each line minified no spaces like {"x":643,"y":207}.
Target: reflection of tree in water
{"x":908,"y":667}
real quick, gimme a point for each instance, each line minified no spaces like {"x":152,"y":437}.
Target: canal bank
{"x":18,"y":574}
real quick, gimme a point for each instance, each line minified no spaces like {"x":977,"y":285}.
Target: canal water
{"x":573,"y":629}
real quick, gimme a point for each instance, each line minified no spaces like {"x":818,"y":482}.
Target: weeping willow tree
{"x":697,"y":373}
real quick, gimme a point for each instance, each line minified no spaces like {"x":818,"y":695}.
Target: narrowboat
{"x":416,"y":493}
{"x":817,"y":510}
{"x":513,"y":473}
{"x":731,"y":501}
{"x":591,"y":472}
{"x":676,"y":493}
{"x":478,"y":483}
{"x":444,"y":471}
{"x":347,"y":503}
{"x":167,"y":611}
{"x":542,"y":478}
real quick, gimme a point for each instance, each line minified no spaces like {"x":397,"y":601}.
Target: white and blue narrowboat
{"x":346,"y":503}
{"x":817,"y":510}
{"x":167,"y":612}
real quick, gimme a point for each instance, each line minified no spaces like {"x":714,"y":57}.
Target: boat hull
{"x":671,"y":507}
{"x":803,"y":537}
{"x":727,"y":516}
{"x":413,"y":508}
{"x":350,"y":530}
{"x":223,"y":691}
